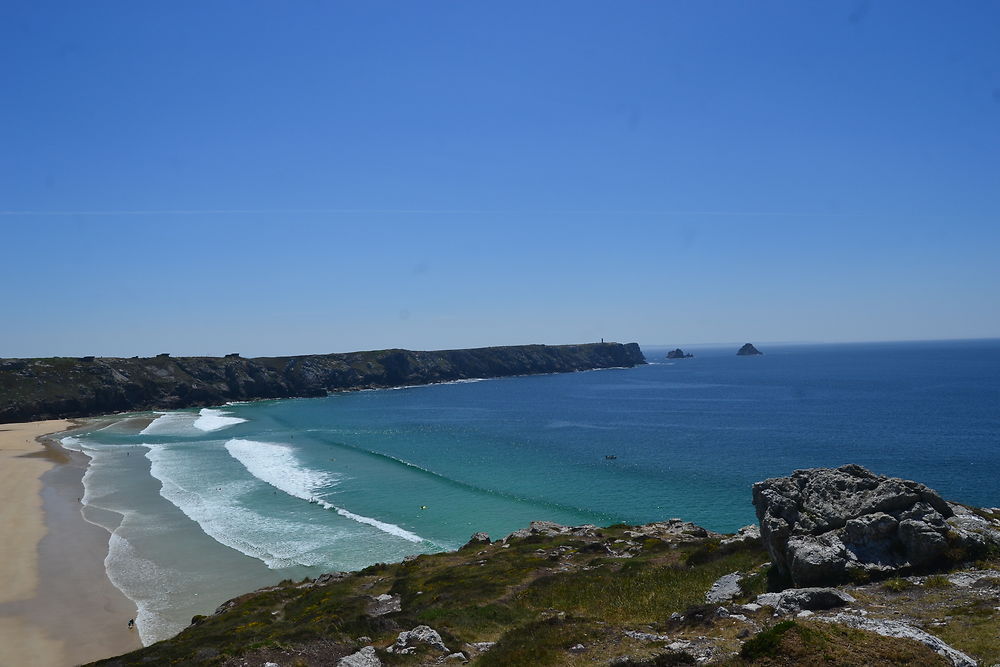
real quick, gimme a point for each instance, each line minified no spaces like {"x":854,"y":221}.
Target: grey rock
{"x":456,"y":657}
{"x":971,"y":578}
{"x":422,"y":634}
{"x":673,"y":530}
{"x":816,"y":559}
{"x":542,"y":528}
{"x":725,"y":588}
{"x":745,"y":536}
{"x":824,"y":524}
{"x":383,"y":604}
{"x":478,"y":538}
{"x":974,"y":532}
{"x":548,"y":529}
{"x":646,"y":636}
{"x":330,"y":577}
{"x":794,"y":600}
{"x":366,"y":657}
{"x":481,"y":647}
{"x":577,"y":648}
{"x":888,"y":628}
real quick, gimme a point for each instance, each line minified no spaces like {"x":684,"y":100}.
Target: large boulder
{"x":794,"y":600}
{"x":407,"y":641}
{"x":366,"y":657}
{"x":825,"y":525}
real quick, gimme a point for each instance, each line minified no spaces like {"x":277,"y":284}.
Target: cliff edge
{"x":61,"y":387}
{"x":666,"y":593}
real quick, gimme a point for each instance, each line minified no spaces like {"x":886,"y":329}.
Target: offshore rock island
{"x":66,"y":387}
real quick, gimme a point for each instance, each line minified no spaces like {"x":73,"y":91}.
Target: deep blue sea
{"x":203,"y":505}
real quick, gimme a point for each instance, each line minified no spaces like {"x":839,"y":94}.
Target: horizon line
{"x":411,"y":211}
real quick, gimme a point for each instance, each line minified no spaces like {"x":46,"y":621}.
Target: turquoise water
{"x":203,"y":505}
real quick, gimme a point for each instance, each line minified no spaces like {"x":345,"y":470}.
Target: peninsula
{"x":66,"y":387}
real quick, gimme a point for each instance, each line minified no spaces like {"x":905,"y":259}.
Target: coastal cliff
{"x":61,"y":387}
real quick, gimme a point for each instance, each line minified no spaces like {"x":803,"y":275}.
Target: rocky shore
{"x":64,"y":387}
{"x":878,"y":589}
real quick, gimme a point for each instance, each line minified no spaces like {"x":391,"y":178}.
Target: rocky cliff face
{"x":71,"y":387}
{"x":824,"y":526}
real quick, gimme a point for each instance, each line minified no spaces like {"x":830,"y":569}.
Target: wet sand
{"x":57,"y":606}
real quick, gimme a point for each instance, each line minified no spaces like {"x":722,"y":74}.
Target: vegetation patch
{"x":896,"y":585}
{"x":792,"y":643}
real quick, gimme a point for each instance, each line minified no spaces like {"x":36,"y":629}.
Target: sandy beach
{"x":57,"y":606}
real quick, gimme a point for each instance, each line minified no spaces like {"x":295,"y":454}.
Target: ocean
{"x":202,"y":505}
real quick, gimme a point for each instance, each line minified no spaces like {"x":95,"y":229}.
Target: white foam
{"x":390,"y":528}
{"x":72,"y":442}
{"x":217,"y":510}
{"x":170,"y":423}
{"x":278,"y":465}
{"x":146,"y":584}
{"x":210,"y":419}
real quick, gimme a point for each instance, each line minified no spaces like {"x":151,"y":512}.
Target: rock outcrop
{"x":794,"y":600}
{"x":63,"y":387}
{"x":747,"y":350}
{"x":678,"y":354}
{"x":824,"y":526}
{"x":724,"y":589}
{"x":366,"y":657}
{"x":408,"y":641}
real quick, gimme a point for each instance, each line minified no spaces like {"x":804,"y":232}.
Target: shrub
{"x":765,"y":643}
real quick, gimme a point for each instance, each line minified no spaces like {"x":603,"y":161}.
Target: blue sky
{"x":284,"y":178}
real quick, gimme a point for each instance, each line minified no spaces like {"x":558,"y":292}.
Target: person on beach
{"x":131,"y":623}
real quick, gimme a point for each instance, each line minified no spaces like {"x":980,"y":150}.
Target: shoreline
{"x":57,"y":605}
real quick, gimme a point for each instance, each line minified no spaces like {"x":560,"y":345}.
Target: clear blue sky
{"x":282,"y":178}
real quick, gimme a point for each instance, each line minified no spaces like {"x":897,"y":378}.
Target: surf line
{"x":276,"y":465}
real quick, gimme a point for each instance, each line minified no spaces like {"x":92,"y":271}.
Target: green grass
{"x":896,"y":585}
{"x":937,"y":581}
{"x":792,"y":644}
{"x":767,"y":642}
{"x":637,"y":593}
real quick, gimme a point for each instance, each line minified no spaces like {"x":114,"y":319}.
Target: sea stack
{"x":678,"y":354}
{"x":748,"y":350}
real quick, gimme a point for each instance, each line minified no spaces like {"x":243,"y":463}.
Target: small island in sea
{"x":678,"y":353}
{"x":748,"y":350}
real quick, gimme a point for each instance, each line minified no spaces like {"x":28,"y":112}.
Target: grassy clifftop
{"x":549,"y":595}
{"x":77,"y":387}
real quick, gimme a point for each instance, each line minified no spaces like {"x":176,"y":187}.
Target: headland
{"x":61,"y":387}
